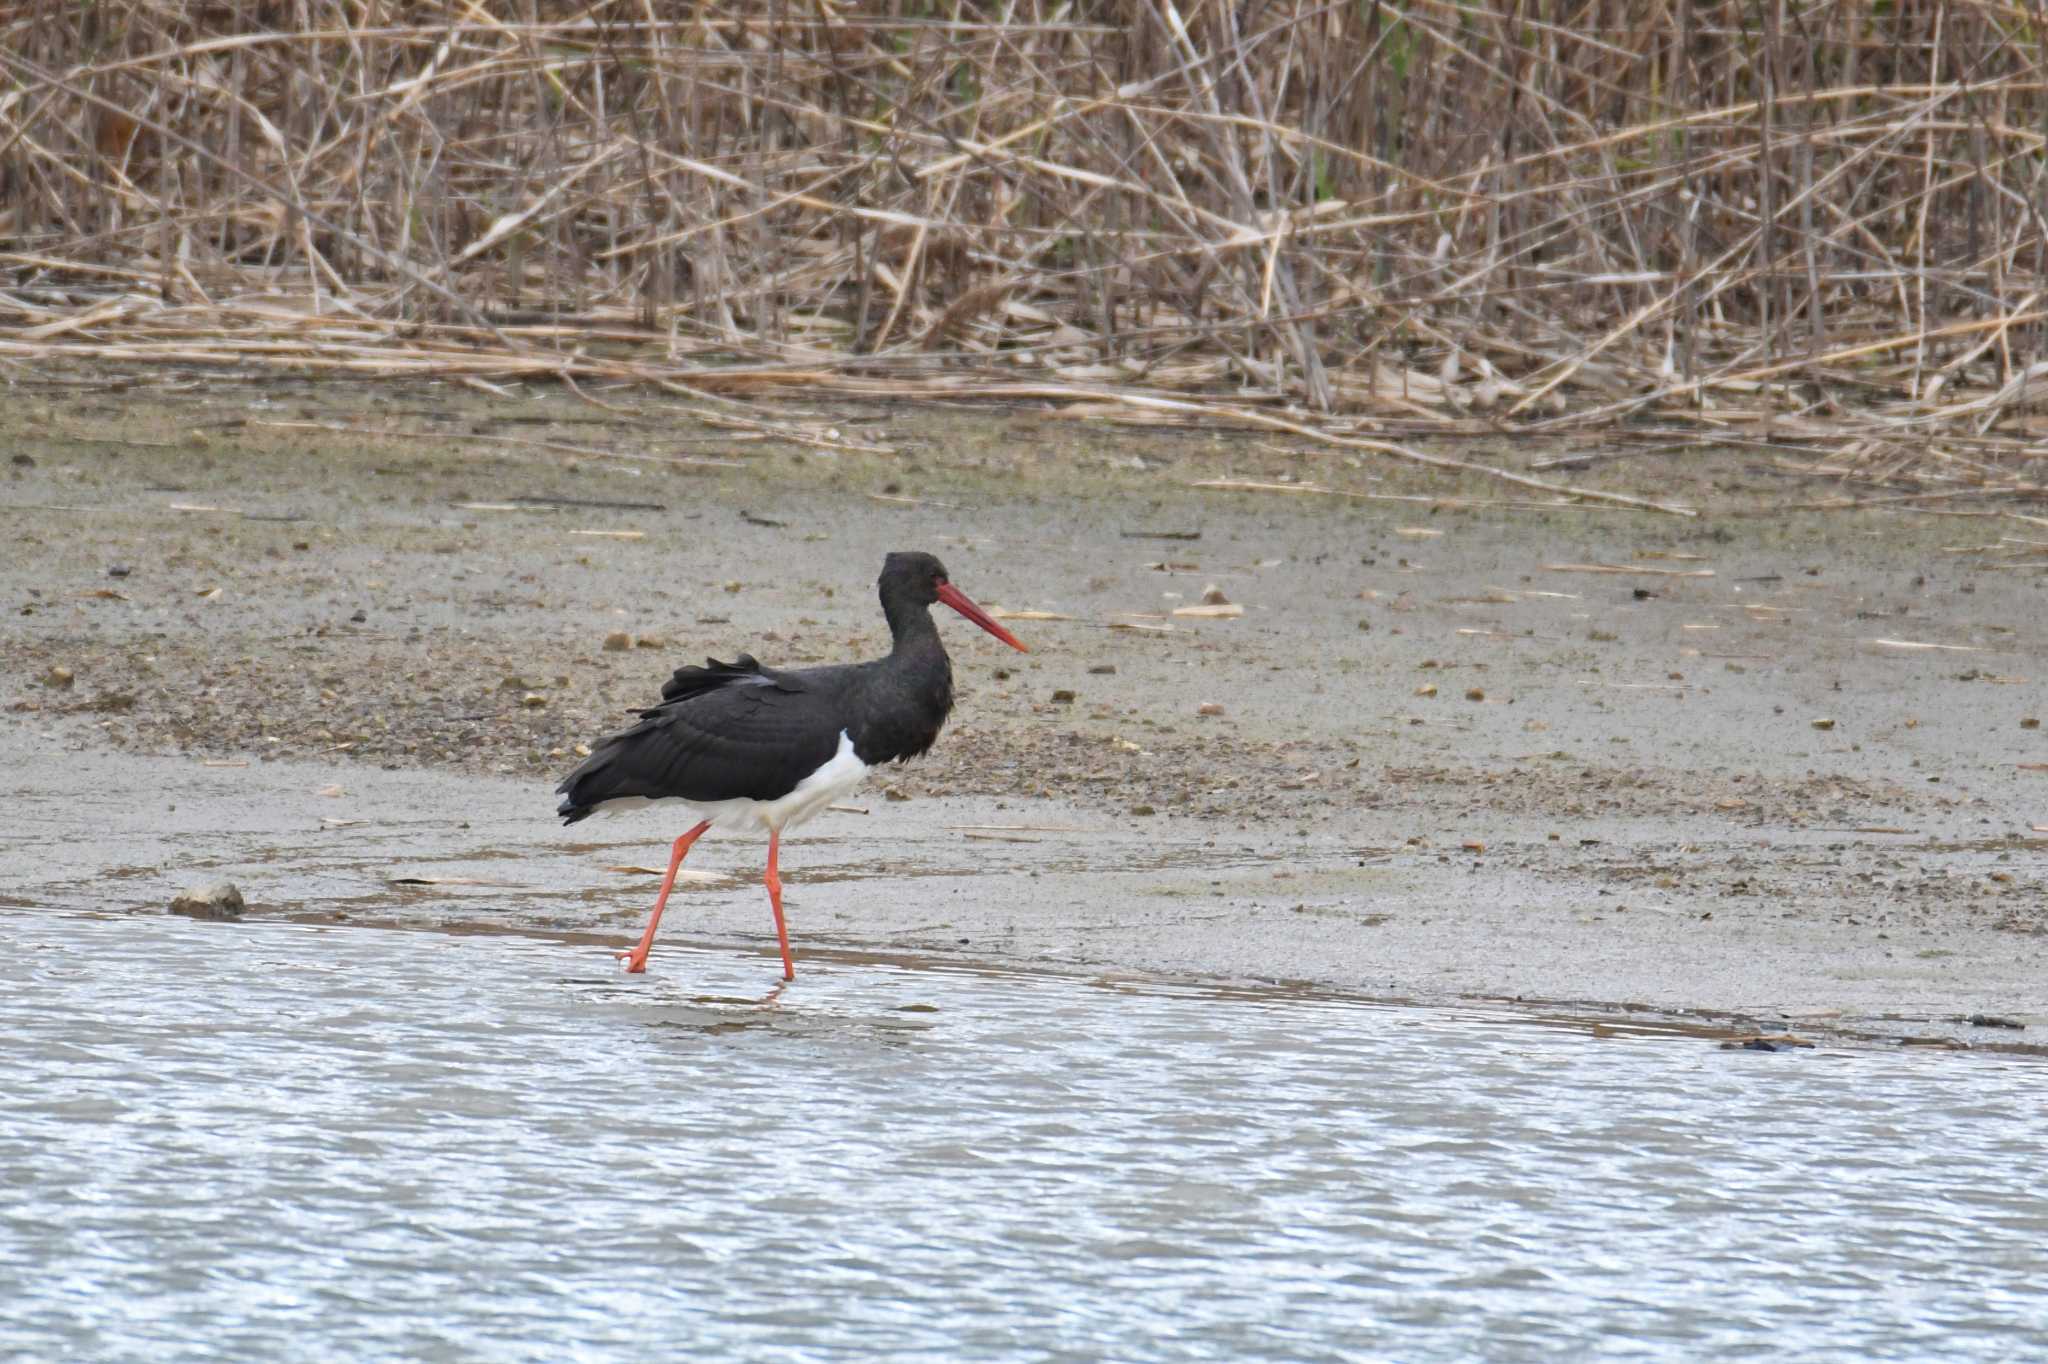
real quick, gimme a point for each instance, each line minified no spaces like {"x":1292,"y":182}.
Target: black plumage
{"x":739,"y":731}
{"x":726,"y":731}
{"x":739,"y":742}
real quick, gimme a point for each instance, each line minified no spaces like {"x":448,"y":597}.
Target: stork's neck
{"x":911,"y":630}
{"x":905,"y":697}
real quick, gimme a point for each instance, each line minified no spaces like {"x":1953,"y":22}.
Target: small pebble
{"x":1063,"y":697}
{"x":1103,"y":668}
{"x":2030,"y":722}
{"x":617,"y":642}
{"x":1209,"y":708}
{"x":58,"y":678}
{"x":533,"y":700}
{"x":1823,"y":724}
{"x":1475,"y":694}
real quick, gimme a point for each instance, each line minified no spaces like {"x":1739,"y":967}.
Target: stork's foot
{"x":635,"y":961}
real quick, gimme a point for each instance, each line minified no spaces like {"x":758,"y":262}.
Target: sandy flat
{"x":1775,"y":767}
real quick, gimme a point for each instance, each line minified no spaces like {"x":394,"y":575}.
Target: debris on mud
{"x":1993,"y":1021}
{"x":1783,"y":1041}
{"x":221,"y":900}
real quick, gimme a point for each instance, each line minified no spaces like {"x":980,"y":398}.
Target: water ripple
{"x":272,"y":1141}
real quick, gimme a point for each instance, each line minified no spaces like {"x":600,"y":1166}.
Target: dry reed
{"x":1814,"y":225}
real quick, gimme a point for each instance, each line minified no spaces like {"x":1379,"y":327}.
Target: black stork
{"x":743,"y":746}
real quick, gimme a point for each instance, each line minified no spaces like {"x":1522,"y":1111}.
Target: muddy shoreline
{"x":1450,"y":762}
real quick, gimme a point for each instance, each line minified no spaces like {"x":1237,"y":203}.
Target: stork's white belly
{"x":840,"y":775}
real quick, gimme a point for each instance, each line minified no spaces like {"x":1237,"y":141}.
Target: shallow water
{"x":267,"y":1140}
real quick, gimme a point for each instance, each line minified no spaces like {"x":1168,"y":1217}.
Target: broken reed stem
{"x":1447,"y":215}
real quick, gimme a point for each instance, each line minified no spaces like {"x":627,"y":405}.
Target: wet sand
{"x":1444,"y":766}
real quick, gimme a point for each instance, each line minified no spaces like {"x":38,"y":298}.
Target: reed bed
{"x":1815,"y":228}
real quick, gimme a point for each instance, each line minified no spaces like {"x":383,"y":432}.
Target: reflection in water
{"x":257,"y":1140}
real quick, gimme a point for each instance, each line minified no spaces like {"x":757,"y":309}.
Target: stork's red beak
{"x":955,"y":598}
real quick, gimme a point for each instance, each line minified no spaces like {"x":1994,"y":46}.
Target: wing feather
{"x":729,"y":731}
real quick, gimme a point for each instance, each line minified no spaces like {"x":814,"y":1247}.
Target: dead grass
{"x":1816,"y":227}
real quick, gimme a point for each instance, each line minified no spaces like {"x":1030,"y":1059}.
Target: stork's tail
{"x":583,"y":790}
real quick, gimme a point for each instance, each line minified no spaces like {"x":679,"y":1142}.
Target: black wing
{"x":690,"y":682}
{"x":723,"y":732}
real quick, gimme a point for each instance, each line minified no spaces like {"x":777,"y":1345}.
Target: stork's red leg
{"x":636,"y":960}
{"x":775,"y":899}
